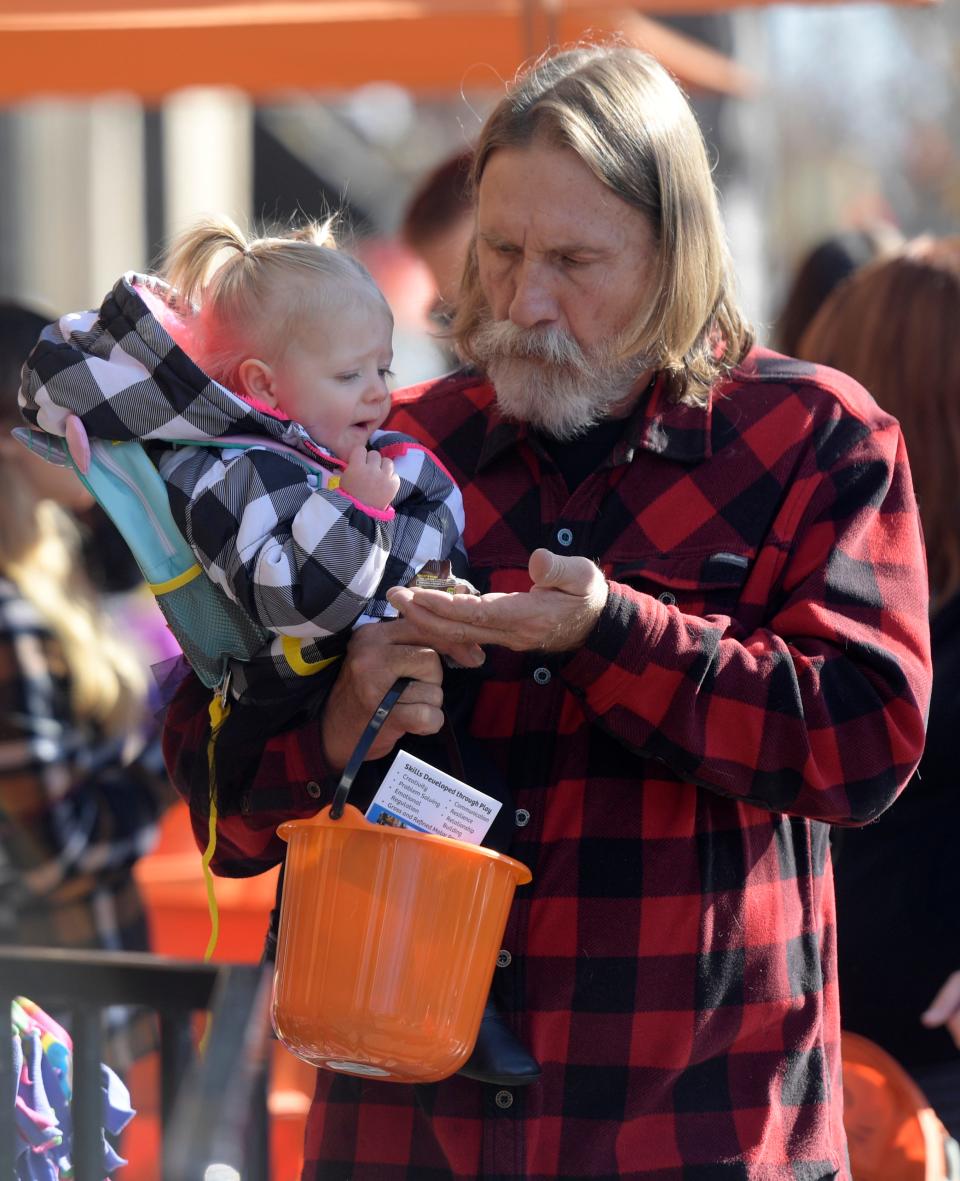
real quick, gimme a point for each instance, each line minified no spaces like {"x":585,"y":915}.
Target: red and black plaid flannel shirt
{"x":760,"y":671}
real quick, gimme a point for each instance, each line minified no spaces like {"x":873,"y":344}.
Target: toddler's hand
{"x":369,"y":477}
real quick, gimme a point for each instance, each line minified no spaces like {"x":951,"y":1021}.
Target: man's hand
{"x":376,"y":656}
{"x":369,"y":477}
{"x":945,"y":1008}
{"x":555,"y":615}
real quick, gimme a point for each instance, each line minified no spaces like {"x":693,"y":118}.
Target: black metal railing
{"x":213,"y":1106}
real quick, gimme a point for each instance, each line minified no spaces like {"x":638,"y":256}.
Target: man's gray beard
{"x":542,"y":376}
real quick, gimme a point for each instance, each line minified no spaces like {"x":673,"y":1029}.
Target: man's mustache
{"x":502,"y":339}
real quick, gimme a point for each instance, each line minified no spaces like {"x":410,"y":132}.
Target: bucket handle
{"x":380,"y":715}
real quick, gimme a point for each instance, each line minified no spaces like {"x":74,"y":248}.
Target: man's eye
{"x":503,"y":249}
{"x":571,"y":263}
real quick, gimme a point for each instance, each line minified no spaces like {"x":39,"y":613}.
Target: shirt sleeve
{"x":819,"y":713}
{"x":69,"y":804}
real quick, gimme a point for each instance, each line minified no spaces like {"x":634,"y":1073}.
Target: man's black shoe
{"x":499,"y":1057}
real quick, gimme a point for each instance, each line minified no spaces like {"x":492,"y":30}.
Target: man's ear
{"x":255,"y":380}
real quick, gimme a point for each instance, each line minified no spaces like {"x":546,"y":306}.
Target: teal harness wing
{"x":211,"y":629}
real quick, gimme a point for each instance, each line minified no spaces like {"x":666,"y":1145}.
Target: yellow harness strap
{"x":179,"y":580}
{"x":219,"y":710}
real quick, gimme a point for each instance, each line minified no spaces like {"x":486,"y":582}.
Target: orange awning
{"x":66,"y":47}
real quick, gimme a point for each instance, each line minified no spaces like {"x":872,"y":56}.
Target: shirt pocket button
{"x":314,"y":790}
{"x":503,"y":1099}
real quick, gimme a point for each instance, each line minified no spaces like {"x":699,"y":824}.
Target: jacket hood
{"x":121,"y":370}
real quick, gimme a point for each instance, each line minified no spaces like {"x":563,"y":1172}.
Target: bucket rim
{"x":354,"y":819}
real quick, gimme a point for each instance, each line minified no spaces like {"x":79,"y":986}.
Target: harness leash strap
{"x":366,"y":741}
{"x":219,"y":711}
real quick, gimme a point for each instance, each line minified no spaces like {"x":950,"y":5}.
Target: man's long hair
{"x":629,"y":123}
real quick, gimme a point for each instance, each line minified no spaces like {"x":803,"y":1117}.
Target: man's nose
{"x":533,"y":302}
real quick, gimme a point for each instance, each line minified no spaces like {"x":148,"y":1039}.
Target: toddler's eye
{"x":386,"y":373}
{"x":347,"y":376}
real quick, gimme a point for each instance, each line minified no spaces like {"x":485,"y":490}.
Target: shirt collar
{"x":675,"y":431}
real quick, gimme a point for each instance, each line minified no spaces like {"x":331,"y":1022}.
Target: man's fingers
{"x":422,"y":637}
{"x":377,"y":655}
{"x":397,"y":646}
{"x":418,"y":719}
{"x":465,"y":655}
{"x":466,"y":609}
{"x":418,"y":711}
{"x":555,"y":618}
{"x":574,"y":575}
{"x":945,"y":1004}
{"x":453,"y":624}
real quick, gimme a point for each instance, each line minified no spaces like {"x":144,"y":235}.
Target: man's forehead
{"x":551,"y":195}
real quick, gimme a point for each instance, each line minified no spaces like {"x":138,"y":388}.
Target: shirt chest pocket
{"x":703,"y":583}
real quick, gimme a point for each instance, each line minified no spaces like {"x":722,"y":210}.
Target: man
{"x":703,"y":639}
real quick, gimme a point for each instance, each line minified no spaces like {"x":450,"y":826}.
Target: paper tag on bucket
{"x":416,"y":795}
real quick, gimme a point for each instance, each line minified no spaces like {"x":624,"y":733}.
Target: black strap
{"x":355,"y":762}
{"x":380,"y":715}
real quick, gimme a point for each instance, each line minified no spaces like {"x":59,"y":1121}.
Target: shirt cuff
{"x":626,"y":633}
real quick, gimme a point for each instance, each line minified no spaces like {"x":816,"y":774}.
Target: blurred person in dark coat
{"x":893,"y":326}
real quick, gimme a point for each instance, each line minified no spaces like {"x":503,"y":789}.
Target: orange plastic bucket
{"x":892,"y":1132}
{"x":387,"y":946}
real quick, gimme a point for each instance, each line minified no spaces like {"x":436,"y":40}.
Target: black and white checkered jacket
{"x":304,"y":560}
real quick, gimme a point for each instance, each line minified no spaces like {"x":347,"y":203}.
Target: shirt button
{"x":542,"y":676}
{"x":565,"y":537}
{"x":503,"y":1099}
{"x":667,"y":597}
{"x":504,"y":958}
{"x":522,"y":817}
{"x":314,"y":790}
{"x":313,"y":480}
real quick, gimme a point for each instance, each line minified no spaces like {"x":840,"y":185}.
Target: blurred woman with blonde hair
{"x":81,"y":788}
{"x":894,"y":327}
